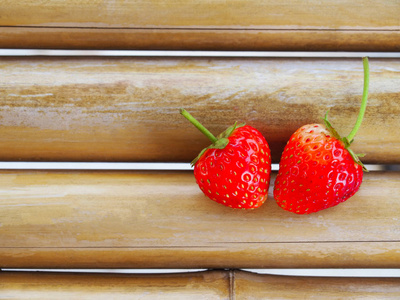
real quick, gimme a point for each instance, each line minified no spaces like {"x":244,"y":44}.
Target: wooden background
{"x":204,"y":285}
{"x":127,"y":109}
{"x":357,"y":25}
{"x":99,"y":219}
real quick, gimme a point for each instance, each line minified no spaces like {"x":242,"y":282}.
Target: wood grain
{"x":28,"y":285}
{"x":202,"y":285}
{"x":360,"y":25}
{"x":162,"y":220}
{"x":200,"y":39}
{"x":253,"y":286}
{"x":127,"y":109}
{"x":209,"y":14}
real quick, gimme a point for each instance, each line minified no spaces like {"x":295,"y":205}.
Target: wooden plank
{"x":127,"y":108}
{"x":34,"y":285}
{"x":254,"y":286}
{"x":199,"y":39}
{"x":208,"y":14}
{"x":360,"y":25}
{"x":231,"y":284}
{"x":162,"y":220}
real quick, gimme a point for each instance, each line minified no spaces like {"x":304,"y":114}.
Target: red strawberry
{"x":235,"y":170}
{"x":317,"y":169}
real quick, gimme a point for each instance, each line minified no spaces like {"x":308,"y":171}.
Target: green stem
{"x":198,"y":125}
{"x":352,"y":134}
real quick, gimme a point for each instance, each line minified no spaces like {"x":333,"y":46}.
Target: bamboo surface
{"x":203,"y":285}
{"x":357,"y":25}
{"x":127,"y":109}
{"x":162,"y":220}
{"x":27,"y":285}
{"x":253,"y":286}
{"x":199,"y":39}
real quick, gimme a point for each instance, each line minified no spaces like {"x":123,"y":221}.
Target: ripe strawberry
{"x":235,"y":170}
{"x":318,"y":170}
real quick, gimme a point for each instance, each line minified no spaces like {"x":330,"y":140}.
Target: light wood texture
{"x":194,"y":14}
{"x":127,"y":109}
{"x":362,"y":25}
{"x":26,"y":285}
{"x":253,"y":286}
{"x":162,"y":220}
{"x":203,"y":285}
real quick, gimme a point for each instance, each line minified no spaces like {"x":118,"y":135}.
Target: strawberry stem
{"x":198,"y":125}
{"x":360,"y":117}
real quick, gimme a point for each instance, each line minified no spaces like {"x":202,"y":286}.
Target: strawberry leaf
{"x":228,"y":132}
{"x":346,"y":142}
{"x":330,"y":127}
{"x":221,"y":143}
{"x":356,"y":159}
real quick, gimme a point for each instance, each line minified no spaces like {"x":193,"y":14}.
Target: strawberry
{"x":318,"y":170}
{"x":235,"y":170}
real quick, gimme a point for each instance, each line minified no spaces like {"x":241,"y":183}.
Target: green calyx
{"x":348,"y":140}
{"x":219,"y":142}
